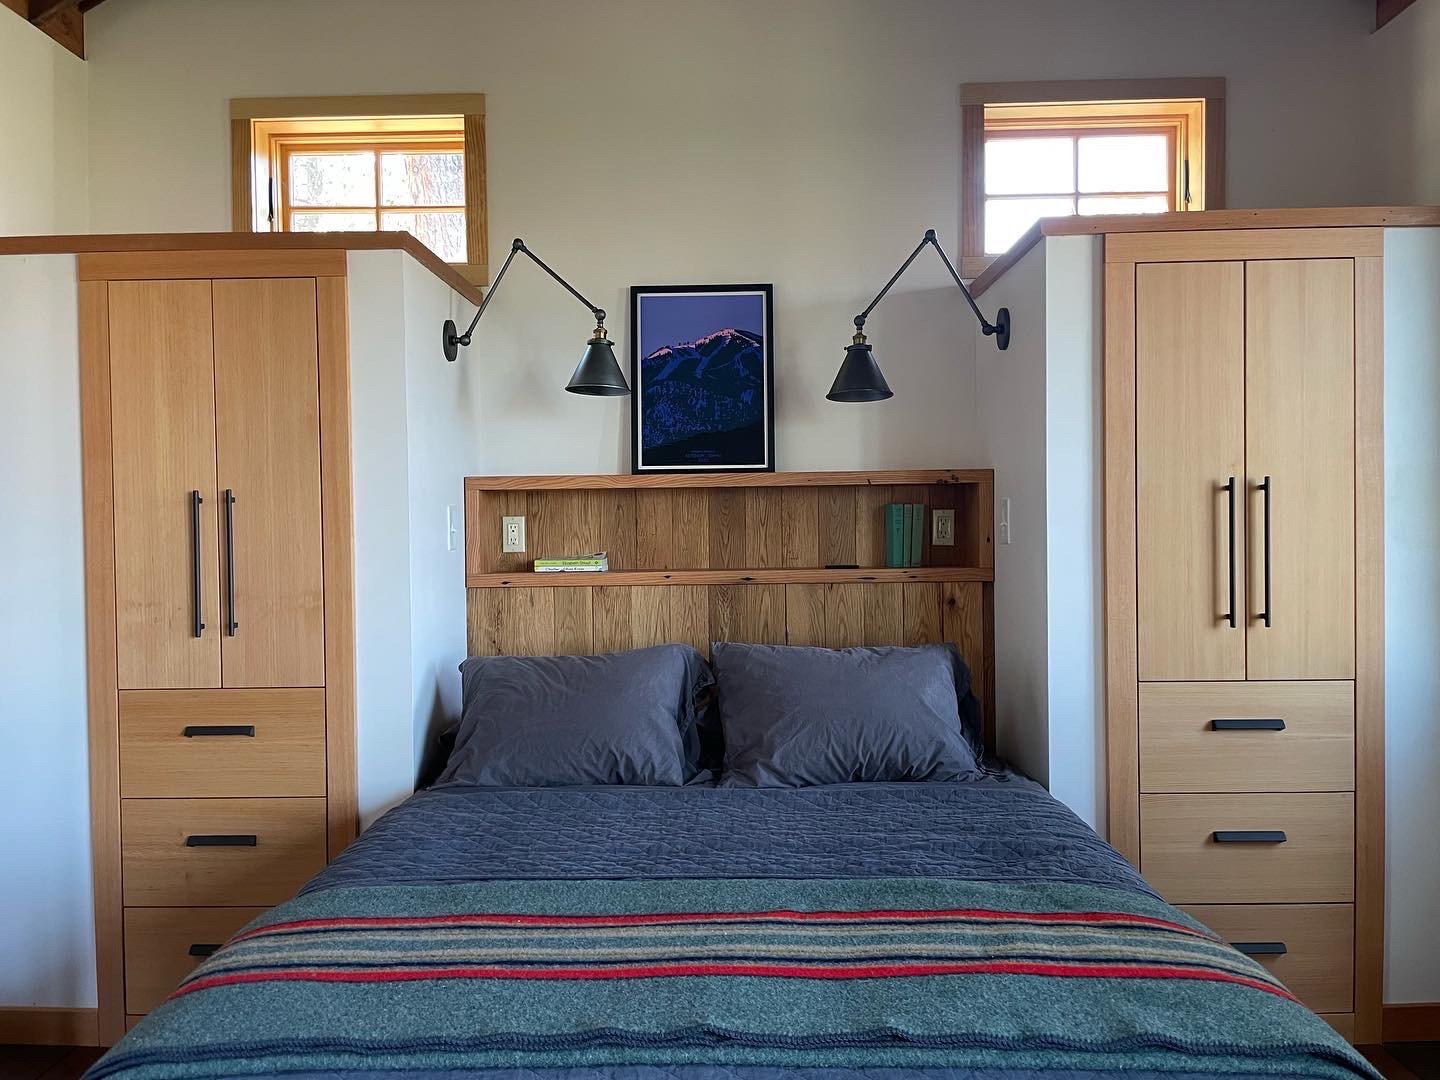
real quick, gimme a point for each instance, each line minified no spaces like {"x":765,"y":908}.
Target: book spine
{"x":917,"y":534}
{"x":894,"y":535}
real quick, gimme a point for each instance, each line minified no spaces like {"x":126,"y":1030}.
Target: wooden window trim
{"x":261,"y":127}
{"x":1116,"y":96}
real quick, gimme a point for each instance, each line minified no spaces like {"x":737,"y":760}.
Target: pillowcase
{"x":797,"y":716}
{"x":555,"y":721}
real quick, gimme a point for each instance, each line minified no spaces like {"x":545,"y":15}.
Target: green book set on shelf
{"x":594,"y":564}
{"x":904,"y":534}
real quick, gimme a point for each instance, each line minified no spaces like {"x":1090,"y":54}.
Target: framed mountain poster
{"x":702,"y":378}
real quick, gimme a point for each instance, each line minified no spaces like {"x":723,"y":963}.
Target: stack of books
{"x":579,"y":564}
{"x":904,"y":534}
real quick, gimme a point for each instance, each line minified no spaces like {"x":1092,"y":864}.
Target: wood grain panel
{"x":836,"y":526}
{"x":1252,"y":244}
{"x":748,"y":613}
{"x":1315,"y":864}
{"x":765,"y":528}
{"x":1190,"y":440}
{"x":158,"y":942}
{"x":1300,"y":432}
{"x":727,"y":524}
{"x":924,"y":614}
{"x":870,"y":505}
{"x":179,"y":264}
{"x":528,"y":622}
{"x":574,"y":622}
{"x":842,"y":478}
{"x":964,"y":624}
{"x":612,"y":612}
{"x":161,"y":871}
{"x":883,"y":614}
{"x":800,"y":544}
{"x":285,"y":755}
{"x":1180,"y":751}
{"x":1318,"y":965}
{"x":267,"y":424}
{"x":162,"y":401}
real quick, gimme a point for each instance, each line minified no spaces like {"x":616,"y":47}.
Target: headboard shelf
{"x":796,"y":576}
{"x":623,"y":481}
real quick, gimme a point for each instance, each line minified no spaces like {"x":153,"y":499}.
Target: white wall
{"x":47,"y":934}
{"x":1412,"y":613}
{"x":414,"y":435}
{"x":1404,"y":83}
{"x":44,"y":147}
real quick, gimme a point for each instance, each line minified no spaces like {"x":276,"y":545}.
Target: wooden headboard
{"x":730,"y":557}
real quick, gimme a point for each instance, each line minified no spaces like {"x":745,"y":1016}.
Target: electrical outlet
{"x":942,"y":528}
{"x":451,"y":531}
{"x":1004,"y":528}
{"x":512,"y":534}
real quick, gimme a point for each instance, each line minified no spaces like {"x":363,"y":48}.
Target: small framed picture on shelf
{"x":702,"y":378}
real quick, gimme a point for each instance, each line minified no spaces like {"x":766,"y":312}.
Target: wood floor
{"x":1397,"y":1061}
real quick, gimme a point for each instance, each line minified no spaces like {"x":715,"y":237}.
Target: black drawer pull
{"x":192,"y":730}
{"x":209,"y":950}
{"x":221,"y":840}
{"x":1267,"y":723}
{"x":1249,"y":836}
{"x":1260,"y":948}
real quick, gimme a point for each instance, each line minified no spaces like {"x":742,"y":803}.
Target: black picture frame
{"x":681,"y":443}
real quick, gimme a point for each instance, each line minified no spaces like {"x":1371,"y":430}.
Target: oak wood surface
{"x":1315,"y":864}
{"x":1244,"y":244}
{"x":1300,"y":431}
{"x":1190,"y":440}
{"x":267,"y":425}
{"x":562,"y":481}
{"x":161,"y":871}
{"x":162,"y":396}
{"x":1318,"y":966}
{"x":1181,"y":752}
{"x":284,"y":756}
{"x":157,"y":947}
{"x":188,"y":263}
{"x":739,"y":576}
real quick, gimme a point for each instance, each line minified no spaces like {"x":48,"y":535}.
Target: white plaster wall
{"x":47,"y":933}
{"x":1412,"y":614}
{"x":1404,"y":87}
{"x":44,"y":133}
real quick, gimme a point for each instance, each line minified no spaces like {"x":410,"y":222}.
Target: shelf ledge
{"x":785,"y":576}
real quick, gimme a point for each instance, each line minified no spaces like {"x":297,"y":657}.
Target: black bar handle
{"x":1265,"y":723}
{"x":1249,"y":836}
{"x":230,"y":624}
{"x":208,"y":949}
{"x":1264,"y":615}
{"x":221,"y":840}
{"x":193,"y":730}
{"x":1260,"y":948}
{"x":1229,"y":615}
{"x":195,"y":582}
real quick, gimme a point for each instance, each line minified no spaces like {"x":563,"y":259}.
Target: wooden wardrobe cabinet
{"x":1244,"y":627}
{"x":216,"y":408}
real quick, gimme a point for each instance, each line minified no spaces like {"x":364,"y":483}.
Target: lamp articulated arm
{"x":455,"y":341}
{"x":999,"y":329}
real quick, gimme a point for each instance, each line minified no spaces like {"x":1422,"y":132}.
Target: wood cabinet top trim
{"x":114,"y":243}
{"x":619,"y":481}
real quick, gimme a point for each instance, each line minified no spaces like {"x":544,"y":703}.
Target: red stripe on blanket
{"x":1060,"y":969}
{"x":398,"y":922}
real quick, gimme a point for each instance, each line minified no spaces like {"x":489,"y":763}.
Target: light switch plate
{"x":512,"y":534}
{"x":942,"y":527}
{"x":1004,"y":529}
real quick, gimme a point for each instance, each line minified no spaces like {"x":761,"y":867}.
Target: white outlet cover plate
{"x":512,"y":534}
{"x":942,"y":528}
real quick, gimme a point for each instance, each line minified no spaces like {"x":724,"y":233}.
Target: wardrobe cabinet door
{"x":162,"y":408}
{"x":267,"y":415}
{"x":1190,"y":443}
{"x":1300,"y":434}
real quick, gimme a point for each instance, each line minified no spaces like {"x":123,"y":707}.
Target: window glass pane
{"x":1007,"y":219}
{"x":1114,"y":204}
{"x":429,"y":179}
{"x":332,"y":221}
{"x":443,"y":232}
{"x":332,"y":179}
{"x":1124,"y":163}
{"x":1029,"y":166}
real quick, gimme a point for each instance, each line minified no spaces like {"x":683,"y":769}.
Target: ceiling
{"x":63,"y":20}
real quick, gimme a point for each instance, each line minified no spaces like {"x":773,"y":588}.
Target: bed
{"x":850,"y":932}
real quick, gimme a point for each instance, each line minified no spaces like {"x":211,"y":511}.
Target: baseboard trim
{"x":1415,"y":1022}
{"x":49,"y":1027}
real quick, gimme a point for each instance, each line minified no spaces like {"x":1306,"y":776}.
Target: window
{"x":1041,"y":150}
{"x":359,"y":164}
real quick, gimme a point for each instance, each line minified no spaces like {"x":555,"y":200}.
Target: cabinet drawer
{"x":1184,"y":859}
{"x":1318,"y":964}
{"x":159,"y":944}
{"x":211,"y":743}
{"x":1247,"y":736}
{"x":219,"y":852}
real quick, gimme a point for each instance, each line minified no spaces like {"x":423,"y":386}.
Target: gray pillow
{"x":557,"y":721}
{"x":796,"y":716}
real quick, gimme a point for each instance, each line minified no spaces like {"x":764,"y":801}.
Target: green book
{"x":917,"y":534}
{"x":894,"y":534}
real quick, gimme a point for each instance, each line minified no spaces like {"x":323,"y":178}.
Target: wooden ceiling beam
{"x":63,"y":20}
{"x":1385,"y":10}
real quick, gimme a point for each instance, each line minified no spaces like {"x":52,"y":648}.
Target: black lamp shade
{"x":859,"y":378}
{"x":598,"y":374}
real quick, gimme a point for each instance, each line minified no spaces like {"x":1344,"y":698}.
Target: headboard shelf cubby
{"x":784,"y":558}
